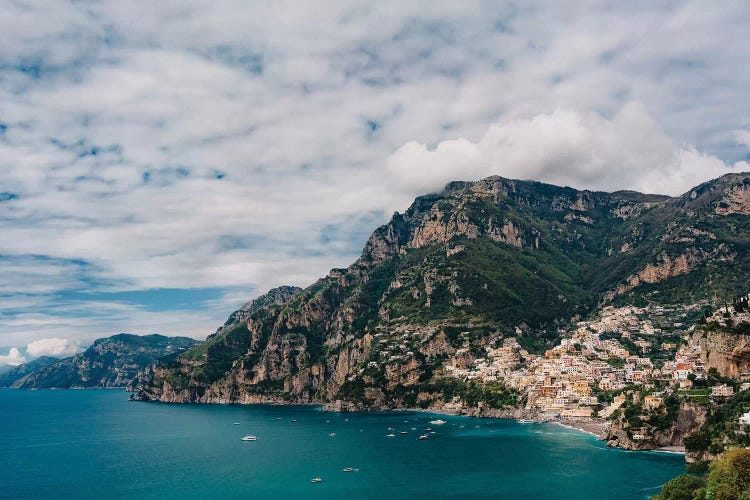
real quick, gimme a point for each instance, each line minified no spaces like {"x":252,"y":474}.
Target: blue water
{"x":96,"y":444}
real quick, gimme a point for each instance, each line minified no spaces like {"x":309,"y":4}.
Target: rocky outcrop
{"x":668,"y":267}
{"x":728,"y":353}
{"x":690,"y":418}
{"x":275,"y":296}
{"x":736,"y":201}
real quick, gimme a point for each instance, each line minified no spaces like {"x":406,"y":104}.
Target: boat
{"x":236,"y":423}
{"x":333,"y":434}
{"x":429,"y":429}
{"x":249,"y":438}
{"x":525,"y":421}
{"x":390,"y":435}
{"x":422,"y":438}
{"x":403,"y":432}
{"x":438,"y":422}
{"x":348,"y":469}
{"x":293,"y":420}
{"x":316,"y":480}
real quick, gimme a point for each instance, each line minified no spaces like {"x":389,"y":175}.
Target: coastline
{"x":595,"y":428}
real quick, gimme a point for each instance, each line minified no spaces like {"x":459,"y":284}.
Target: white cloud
{"x":13,"y":358}
{"x":119,"y":118}
{"x":56,"y":347}
{"x":584,"y":150}
{"x":743,"y":137}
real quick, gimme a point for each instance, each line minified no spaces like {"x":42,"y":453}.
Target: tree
{"x":682,"y":487}
{"x":729,"y":475}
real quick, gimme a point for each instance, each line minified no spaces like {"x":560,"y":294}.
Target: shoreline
{"x":591,"y":427}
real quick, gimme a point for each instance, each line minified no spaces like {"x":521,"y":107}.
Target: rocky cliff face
{"x":690,"y":418}
{"x":110,"y":362}
{"x":728,"y":353}
{"x":456,"y":272}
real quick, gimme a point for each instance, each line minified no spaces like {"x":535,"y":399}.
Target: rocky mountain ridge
{"x":458,"y":270}
{"x":8,"y":378}
{"x":114,"y":361}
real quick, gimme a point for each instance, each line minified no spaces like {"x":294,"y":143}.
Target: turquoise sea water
{"x":96,"y":444}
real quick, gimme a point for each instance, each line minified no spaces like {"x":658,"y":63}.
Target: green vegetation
{"x":728,"y":479}
{"x":721,"y":428}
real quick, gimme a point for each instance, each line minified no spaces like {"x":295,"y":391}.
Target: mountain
{"x":459,"y":271}
{"x":8,"y":377}
{"x":110,"y":362}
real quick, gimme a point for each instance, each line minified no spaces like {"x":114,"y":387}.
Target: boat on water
{"x":403,"y":432}
{"x":525,"y":421}
{"x":348,"y":469}
{"x":333,"y":434}
{"x":438,"y":422}
{"x":423,"y":437}
{"x":316,"y":480}
{"x":236,"y":423}
{"x":294,"y":420}
{"x":249,"y":438}
{"x":390,"y":435}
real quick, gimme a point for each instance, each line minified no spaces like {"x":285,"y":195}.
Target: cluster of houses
{"x":605,"y":355}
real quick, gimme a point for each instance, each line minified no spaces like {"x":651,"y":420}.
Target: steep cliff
{"x":689,"y":418}
{"x":456,"y":272}
{"x":726,"y":352}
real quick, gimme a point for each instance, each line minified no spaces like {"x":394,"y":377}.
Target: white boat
{"x":403,"y":432}
{"x":438,"y":422}
{"x":333,"y":434}
{"x":316,"y":480}
{"x":390,"y":435}
{"x":249,"y":438}
{"x":525,"y":421}
{"x":423,"y":437}
{"x":348,"y":469}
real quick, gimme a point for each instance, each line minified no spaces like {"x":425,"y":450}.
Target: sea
{"x":81,"y":444}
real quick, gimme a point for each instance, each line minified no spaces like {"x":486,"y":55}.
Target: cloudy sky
{"x":162,"y":162}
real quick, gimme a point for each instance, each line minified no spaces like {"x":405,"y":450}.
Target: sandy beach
{"x":594,"y":427}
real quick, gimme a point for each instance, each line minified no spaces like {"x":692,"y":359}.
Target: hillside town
{"x":644,"y":353}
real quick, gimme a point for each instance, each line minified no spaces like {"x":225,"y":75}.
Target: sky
{"x":163,"y":162}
